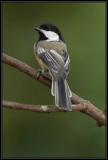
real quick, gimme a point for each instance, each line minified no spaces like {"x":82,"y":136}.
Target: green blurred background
{"x":29,"y":134}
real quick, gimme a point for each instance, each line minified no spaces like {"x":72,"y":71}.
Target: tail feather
{"x":53,"y":87}
{"x":70,"y":93}
{"x":62,"y":93}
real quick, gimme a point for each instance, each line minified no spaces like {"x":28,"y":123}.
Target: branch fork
{"x":79,"y":104}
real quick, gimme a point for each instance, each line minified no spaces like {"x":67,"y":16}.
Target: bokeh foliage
{"x":30,"y":134}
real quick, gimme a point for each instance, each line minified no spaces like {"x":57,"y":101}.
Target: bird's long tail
{"x":62,"y":93}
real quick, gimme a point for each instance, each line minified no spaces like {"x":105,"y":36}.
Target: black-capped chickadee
{"x":51,"y":53}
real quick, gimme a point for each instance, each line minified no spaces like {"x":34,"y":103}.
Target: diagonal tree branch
{"x":81,"y":105}
{"x":32,"y":73}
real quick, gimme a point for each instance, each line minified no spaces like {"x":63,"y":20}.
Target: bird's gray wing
{"x":57,"y":63}
{"x":66,"y":60}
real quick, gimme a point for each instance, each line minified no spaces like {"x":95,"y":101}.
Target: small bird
{"x":51,"y":53}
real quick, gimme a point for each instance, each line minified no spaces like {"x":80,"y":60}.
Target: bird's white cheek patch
{"x":52,"y":36}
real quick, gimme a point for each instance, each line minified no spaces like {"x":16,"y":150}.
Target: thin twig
{"x":81,"y":105}
{"x":39,"y":108}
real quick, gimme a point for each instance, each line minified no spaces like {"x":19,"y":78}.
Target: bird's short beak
{"x":37,"y":29}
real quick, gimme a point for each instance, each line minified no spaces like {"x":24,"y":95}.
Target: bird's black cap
{"x":48,"y":27}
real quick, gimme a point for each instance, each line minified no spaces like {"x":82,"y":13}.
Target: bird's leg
{"x":39,"y":72}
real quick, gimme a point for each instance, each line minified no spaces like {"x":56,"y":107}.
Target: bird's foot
{"x":39,"y":72}
{"x":46,"y":70}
